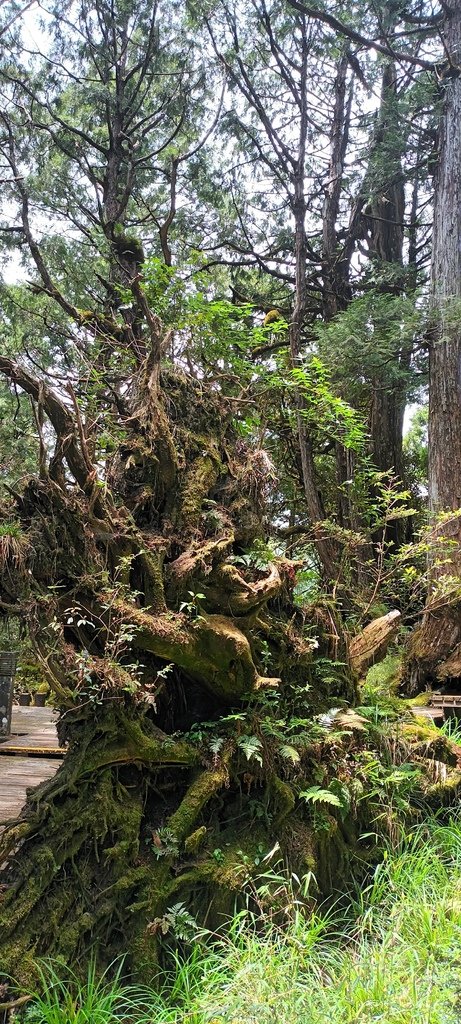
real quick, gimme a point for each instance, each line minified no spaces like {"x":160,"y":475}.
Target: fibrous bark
{"x":434,"y":650}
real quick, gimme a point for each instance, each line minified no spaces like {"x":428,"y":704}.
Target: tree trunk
{"x":336,"y":290}
{"x":438,"y":642}
{"x":445,"y":353}
{"x":371,"y":644}
{"x":383,"y":227}
{"x":324,"y":544}
{"x":386,"y":213}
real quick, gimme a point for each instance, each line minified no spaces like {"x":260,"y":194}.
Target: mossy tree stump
{"x":171,"y":663}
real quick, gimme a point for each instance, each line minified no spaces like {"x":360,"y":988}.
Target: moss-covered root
{"x":70,"y":885}
{"x":428,"y":742}
{"x":59,"y":890}
{"x":446,"y":791}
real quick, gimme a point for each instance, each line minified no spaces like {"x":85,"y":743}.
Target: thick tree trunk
{"x":386,"y":429}
{"x":325,"y":546}
{"x":386,"y":213}
{"x":445,"y":353}
{"x":437,"y":644}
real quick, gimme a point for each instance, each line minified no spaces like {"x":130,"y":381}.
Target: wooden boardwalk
{"x":29,"y":756}
{"x":436,"y":714}
{"x":441,"y":706}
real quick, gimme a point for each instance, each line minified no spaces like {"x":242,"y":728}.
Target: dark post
{"x":7,"y":671}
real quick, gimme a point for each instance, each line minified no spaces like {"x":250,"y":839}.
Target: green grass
{"x":101,"y":1000}
{"x":451,"y":727}
{"x":394,"y":956}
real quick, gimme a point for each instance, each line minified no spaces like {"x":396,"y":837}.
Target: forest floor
{"x":391,"y":954}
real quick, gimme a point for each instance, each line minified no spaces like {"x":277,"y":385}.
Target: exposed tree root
{"x":151,"y":806}
{"x":434,"y":650}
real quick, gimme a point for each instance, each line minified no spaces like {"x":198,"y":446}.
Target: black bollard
{"x":7,"y":670}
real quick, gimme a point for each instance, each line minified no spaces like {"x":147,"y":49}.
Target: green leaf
{"x":250,"y":746}
{"x":216,"y":744}
{"x":315,"y":794}
{"x":290,"y":753}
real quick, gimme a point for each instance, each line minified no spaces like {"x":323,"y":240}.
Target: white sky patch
{"x":409,"y":413}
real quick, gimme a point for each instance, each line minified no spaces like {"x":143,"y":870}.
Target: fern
{"x":317,"y":795}
{"x":178,"y":921}
{"x":215,"y":744}
{"x":251,"y":746}
{"x":290,"y":753}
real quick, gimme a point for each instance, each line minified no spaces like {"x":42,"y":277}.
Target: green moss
{"x":152,"y":902}
{"x":128,"y":246}
{"x":283,"y":799}
{"x":421,"y":701}
{"x":332,"y":855}
{"x":420,"y":729}
{"x":199,"y":793}
{"x":193,"y":842}
{"x":152,"y":573}
{"x":383,"y":678}
{"x":446,"y":792}
{"x":198,"y":483}
{"x":428,"y":742}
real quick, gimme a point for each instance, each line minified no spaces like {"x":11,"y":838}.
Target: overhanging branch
{"x":357,"y":37}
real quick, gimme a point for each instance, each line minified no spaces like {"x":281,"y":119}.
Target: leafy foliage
{"x":315,"y":794}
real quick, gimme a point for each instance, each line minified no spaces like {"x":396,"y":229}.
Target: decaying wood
{"x":371,"y":644}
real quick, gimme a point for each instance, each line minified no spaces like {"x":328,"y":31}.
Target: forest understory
{"x":389,"y":951}
{"x":230,"y":468}
{"x":188,"y":767}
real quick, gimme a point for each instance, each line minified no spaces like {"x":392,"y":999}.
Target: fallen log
{"x":371,"y":644}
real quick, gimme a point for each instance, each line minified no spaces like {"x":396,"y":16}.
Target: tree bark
{"x":445,"y":352}
{"x":325,"y":546}
{"x":438,"y":642}
{"x":371,"y":644}
{"x":386,"y":215}
{"x":336,"y":259}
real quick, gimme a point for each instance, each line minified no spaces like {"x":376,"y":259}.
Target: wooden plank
{"x":33,"y":730}
{"x":446,"y":700}
{"x":32,"y":719}
{"x":24,"y":751}
{"x":16,"y":776}
{"x":428,"y":712}
{"x":28,"y":757}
